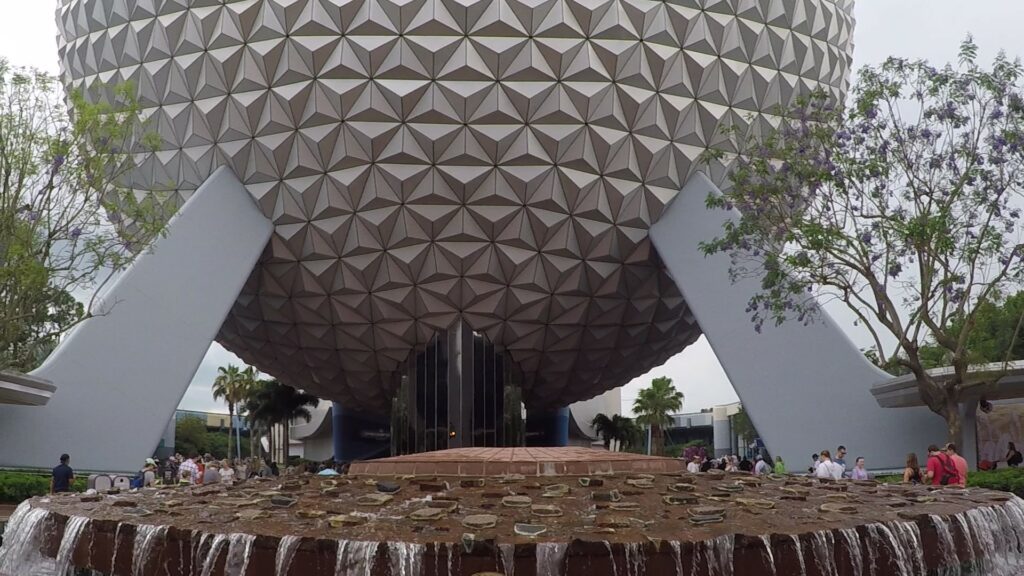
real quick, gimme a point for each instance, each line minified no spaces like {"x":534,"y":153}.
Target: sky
{"x":926,"y":29}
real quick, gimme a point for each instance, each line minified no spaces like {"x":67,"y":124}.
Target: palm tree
{"x":274,"y":403}
{"x":619,"y":429}
{"x":229,"y":386}
{"x":653,"y":407}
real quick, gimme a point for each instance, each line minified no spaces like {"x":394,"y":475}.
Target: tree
{"x":190,"y":435}
{"x":65,"y":168}
{"x":233,"y":386}
{"x":618,"y":429}
{"x":274,"y":403}
{"x":654,"y":406}
{"x":898,"y":205}
{"x":742,"y":426}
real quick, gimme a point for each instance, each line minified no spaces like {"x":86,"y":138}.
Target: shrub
{"x":18,"y":486}
{"x":1006,"y":480}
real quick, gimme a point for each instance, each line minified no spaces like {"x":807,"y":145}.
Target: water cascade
{"x":854,"y":549}
{"x":765,"y":539}
{"x":611,"y":558}
{"x":823,"y":550}
{"x":357,"y":558}
{"x":72,"y":532}
{"x":239,"y":551}
{"x":636,"y":562}
{"x":799,"y":554}
{"x":210,"y":562}
{"x":286,"y":549}
{"x":508,"y":558}
{"x":551,"y":558}
{"x":145,"y":537}
{"x":22,"y":540}
{"x":677,"y":555}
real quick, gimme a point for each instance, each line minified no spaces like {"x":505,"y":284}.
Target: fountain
{"x":616,"y":523}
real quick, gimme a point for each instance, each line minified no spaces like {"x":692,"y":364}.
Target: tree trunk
{"x":657,"y":446}
{"x":285,"y":433}
{"x":953,"y":423}
{"x":231,"y":422}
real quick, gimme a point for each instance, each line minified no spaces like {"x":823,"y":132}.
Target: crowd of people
{"x":733,"y":463}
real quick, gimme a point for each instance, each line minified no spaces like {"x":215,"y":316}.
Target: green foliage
{"x":674,"y":450}
{"x":901,"y":205}
{"x":654,"y":406}
{"x":191,"y":434}
{"x":742,"y":426}
{"x":63,"y":169}
{"x":617,"y":428}
{"x":18,"y":486}
{"x":1006,"y":479}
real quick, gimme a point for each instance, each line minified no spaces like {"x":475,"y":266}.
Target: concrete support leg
{"x":338,"y":432}
{"x":969,"y":425}
{"x":804,"y":387}
{"x":547,"y":428}
{"x":120,"y":375}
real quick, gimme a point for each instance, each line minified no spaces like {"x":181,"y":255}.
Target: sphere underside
{"x":498,"y":161}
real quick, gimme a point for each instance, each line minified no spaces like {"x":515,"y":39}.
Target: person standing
{"x":149,"y":473}
{"x":191,"y":468}
{"x":959,"y":462}
{"x":780,"y":466}
{"x":859,"y":472}
{"x":761,"y":468}
{"x":62,"y":476}
{"x":694,"y":466}
{"x":211,"y":474}
{"x":940,"y":470}
{"x":840,"y":456}
{"x":1013,"y":457}
{"x":827,"y":468}
{"x":912,"y":471}
{"x":227,"y":474}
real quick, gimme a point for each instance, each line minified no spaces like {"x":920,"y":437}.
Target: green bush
{"x":18,"y":486}
{"x":1006,"y":480}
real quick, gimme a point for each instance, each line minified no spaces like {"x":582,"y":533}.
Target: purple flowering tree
{"x":904,"y":205}
{"x":63,"y":168}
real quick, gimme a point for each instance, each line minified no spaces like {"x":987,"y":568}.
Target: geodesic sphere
{"x":424,"y":160}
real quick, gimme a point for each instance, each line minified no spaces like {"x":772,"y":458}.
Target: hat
{"x":150,"y":462}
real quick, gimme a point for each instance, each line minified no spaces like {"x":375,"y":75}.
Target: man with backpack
{"x":941,"y":471}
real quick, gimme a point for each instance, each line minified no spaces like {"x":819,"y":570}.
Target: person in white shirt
{"x":227,"y":474}
{"x":827,"y":468}
{"x":694,"y":466}
{"x":762,"y":468}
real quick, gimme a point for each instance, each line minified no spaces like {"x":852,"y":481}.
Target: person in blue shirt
{"x":62,"y":476}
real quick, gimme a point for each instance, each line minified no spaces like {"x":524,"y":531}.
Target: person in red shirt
{"x":959,"y":462}
{"x":940,"y":470}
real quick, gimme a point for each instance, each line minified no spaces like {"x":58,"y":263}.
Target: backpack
{"x":138,"y":481}
{"x":948,"y":473}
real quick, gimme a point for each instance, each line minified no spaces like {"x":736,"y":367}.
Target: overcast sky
{"x":929,"y":29}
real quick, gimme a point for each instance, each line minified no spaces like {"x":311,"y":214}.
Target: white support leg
{"x":806,"y":388}
{"x":120,"y":375}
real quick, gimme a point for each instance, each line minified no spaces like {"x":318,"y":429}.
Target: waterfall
{"x":210,"y":562}
{"x":677,"y":555}
{"x":117,"y":544}
{"x":239,"y":551}
{"x":799,"y":554}
{"x":767,"y":541}
{"x":910,"y":540}
{"x":72,"y":532}
{"x":508,"y":559}
{"x":719,"y":553}
{"x":823,"y":550}
{"x":853,"y":548}
{"x":286,"y":549}
{"x":959,"y":518}
{"x":636,"y":561}
{"x":145,"y":537}
{"x":22,"y":539}
{"x":611,"y":558}
{"x":551,"y":558}
{"x":357,"y":558}
{"x":947,"y":547}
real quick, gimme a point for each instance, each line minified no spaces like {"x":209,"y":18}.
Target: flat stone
{"x":516,"y":501}
{"x":374,"y":499}
{"x":546,"y":511}
{"x":480,"y":521}
{"x":530,"y":530}
{"x":427,"y":514}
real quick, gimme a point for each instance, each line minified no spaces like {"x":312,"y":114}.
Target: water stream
{"x":551,"y":558}
{"x":286,"y":549}
{"x":72,"y":532}
{"x":993,"y":539}
{"x":357,"y":558}
{"x":145,"y":537}
{"x":239,"y":551}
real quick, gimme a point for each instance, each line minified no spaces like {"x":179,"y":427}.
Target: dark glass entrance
{"x":459,"y":392}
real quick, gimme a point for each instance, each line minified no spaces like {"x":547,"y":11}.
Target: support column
{"x":120,"y":374}
{"x":338,"y":432}
{"x":969,"y":425}
{"x":722,"y":430}
{"x":548,"y":428}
